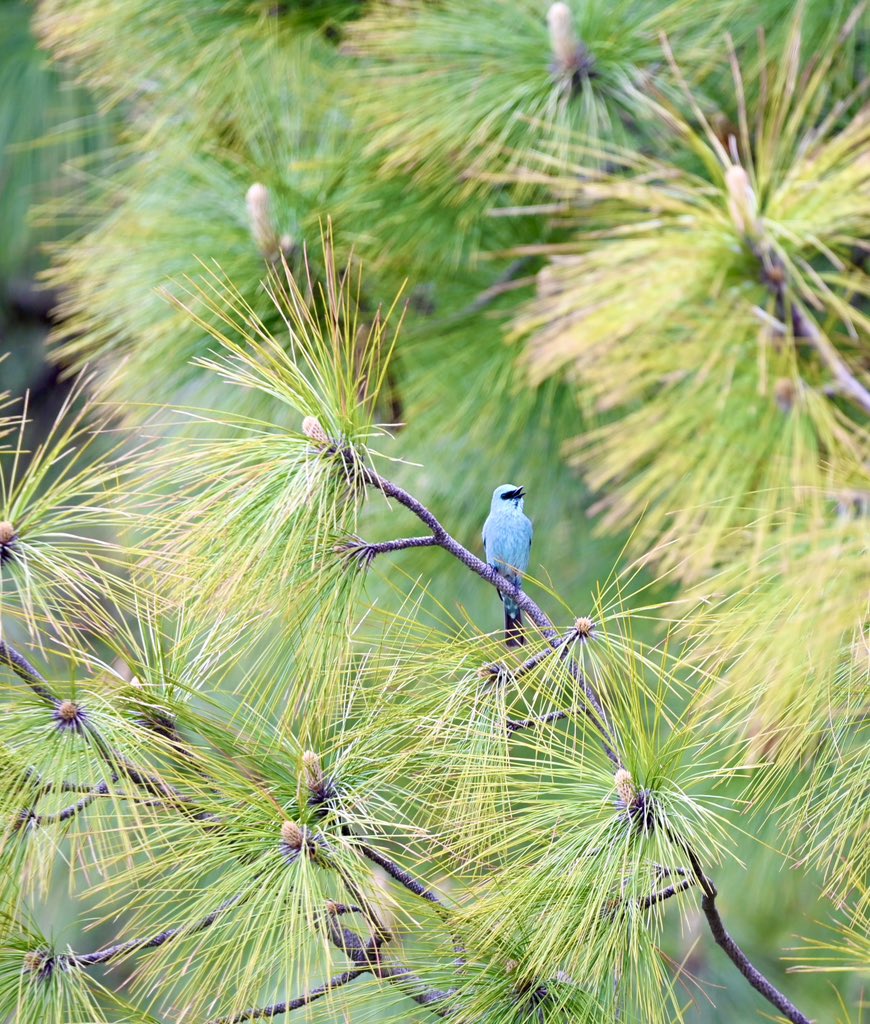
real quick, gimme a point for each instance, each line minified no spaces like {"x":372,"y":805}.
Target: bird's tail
{"x":513,"y":625}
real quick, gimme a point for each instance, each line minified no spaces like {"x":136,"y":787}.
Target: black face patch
{"x":519,"y":492}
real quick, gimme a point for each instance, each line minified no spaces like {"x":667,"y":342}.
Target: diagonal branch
{"x":294,"y":1004}
{"x":24,"y":670}
{"x":368,"y":956}
{"x":734,"y":953}
{"x":109,"y":953}
{"x":102,"y":789}
{"x":743,"y":964}
{"x":399,"y":874}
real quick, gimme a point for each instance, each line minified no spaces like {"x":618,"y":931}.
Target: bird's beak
{"x":520,"y":492}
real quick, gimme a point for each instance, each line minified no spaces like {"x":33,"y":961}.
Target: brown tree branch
{"x":25,"y":671}
{"x":743,"y":964}
{"x":294,"y":1004}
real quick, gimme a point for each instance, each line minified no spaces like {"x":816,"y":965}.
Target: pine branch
{"x":24,"y":670}
{"x":294,"y":1004}
{"x":743,"y":964}
{"x":666,"y":894}
{"x":515,"y":725}
{"x":364,"y":554}
{"x":443,"y":539}
{"x":496,"y":668}
{"x":399,"y":874}
{"x":115,"y":760}
{"x":803,"y":328}
{"x":367,"y":955}
{"x":102,"y":789}
{"x":108,"y":953}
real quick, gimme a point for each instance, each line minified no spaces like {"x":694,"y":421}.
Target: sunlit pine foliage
{"x":63,"y":568}
{"x":703,"y":426}
{"x":250,"y":489}
{"x":448,"y":90}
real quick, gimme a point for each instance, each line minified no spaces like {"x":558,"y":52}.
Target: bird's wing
{"x":486,"y":523}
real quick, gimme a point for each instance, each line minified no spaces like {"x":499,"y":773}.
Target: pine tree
{"x":345,"y":268}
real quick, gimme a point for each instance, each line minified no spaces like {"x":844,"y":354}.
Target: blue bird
{"x":507,"y":541}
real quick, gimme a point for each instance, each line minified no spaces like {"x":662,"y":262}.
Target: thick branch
{"x":367,"y":956}
{"x":399,"y":873}
{"x":24,"y":670}
{"x":297,"y":1003}
{"x":736,"y":955}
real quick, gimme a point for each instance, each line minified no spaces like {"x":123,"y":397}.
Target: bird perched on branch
{"x":507,"y":541}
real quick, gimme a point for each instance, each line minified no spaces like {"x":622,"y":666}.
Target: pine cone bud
{"x":8,"y":536}
{"x":293,"y":836}
{"x":585,"y":627}
{"x":625,"y":787}
{"x":563,"y":39}
{"x":313,"y":770}
{"x":742,"y":201}
{"x":311,"y":428}
{"x":260,"y":218}
{"x":69,"y":716}
{"x":785,"y":393}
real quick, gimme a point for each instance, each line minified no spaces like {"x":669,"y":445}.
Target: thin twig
{"x":362,"y":553}
{"x":804,"y":328}
{"x":108,"y":953}
{"x":496,"y":668}
{"x":666,"y":894}
{"x":102,"y":789}
{"x":515,"y":725}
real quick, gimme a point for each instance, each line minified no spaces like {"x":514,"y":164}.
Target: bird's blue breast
{"x":507,"y":540}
